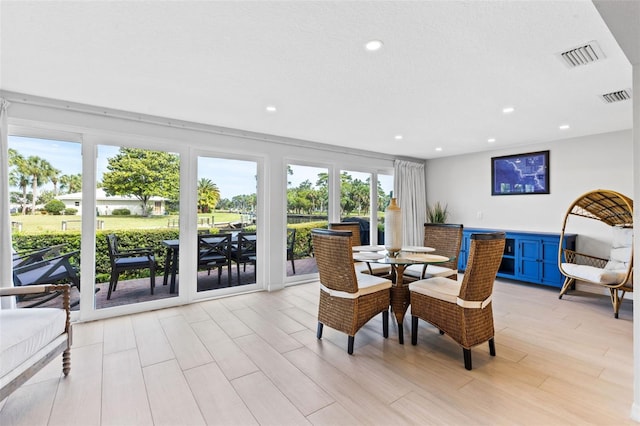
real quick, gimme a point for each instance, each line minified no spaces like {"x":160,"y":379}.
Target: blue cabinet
{"x":528,"y":256}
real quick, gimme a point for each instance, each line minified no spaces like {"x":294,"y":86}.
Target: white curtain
{"x":410,"y":189}
{"x":5,"y":216}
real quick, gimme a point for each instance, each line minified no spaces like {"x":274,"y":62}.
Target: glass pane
{"x":45,"y":180}
{"x":355,"y":201}
{"x":307,"y":208}
{"x":227,"y":202}
{"x":137,"y":214}
{"x":385,"y":190}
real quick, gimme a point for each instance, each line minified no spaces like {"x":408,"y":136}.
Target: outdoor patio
{"x":137,"y":290}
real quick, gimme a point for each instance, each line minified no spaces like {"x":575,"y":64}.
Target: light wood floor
{"x":254,"y":359}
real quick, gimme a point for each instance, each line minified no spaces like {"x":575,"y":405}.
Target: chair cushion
{"x":621,"y":248}
{"x":377,"y":268}
{"x":133,"y":261}
{"x":437,"y":287}
{"x":25,"y":332}
{"x":367,"y":284}
{"x":432,"y":271}
{"x":595,"y":275}
{"x":35,"y":275}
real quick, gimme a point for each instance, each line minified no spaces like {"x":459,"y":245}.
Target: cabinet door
{"x":528,"y":259}
{"x":464,"y":252}
{"x":550,"y":273}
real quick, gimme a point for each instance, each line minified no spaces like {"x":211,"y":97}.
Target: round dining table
{"x":400,"y":297}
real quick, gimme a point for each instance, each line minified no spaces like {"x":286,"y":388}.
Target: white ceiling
{"x":442,"y":78}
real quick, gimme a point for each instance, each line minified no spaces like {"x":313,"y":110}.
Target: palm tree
{"x":208,"y":195}
{"x":40,"y":171}
{"x":71,"y":183}
{"x":55,"y":178}
{"x":18,"y":175}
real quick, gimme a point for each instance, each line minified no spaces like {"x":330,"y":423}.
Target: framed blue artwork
{"x":520,"y":174}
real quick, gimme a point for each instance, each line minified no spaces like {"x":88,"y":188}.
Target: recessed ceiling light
{"x":508,"y":110}
{"x":491,"y":140}
{"x":373,"y":45}
{"x":271,"y":108}
{"x":398,"y":137}
{"x":439,"y":149}
{"x":564,"y":127}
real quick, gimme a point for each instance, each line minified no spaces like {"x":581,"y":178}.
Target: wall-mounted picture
{"x":520,"y":174}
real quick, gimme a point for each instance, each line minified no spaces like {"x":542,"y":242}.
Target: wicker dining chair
{"x":462,"y":310}
{"x":446,"y":238}
{"x":364,"y":267}
{"x":348,"y":300}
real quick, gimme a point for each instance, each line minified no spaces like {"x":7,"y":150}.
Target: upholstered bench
{"x":31,"y":337}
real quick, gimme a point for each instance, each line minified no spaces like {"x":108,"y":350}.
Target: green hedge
{"x":137,"y":238}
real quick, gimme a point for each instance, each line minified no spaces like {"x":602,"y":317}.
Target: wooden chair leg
{"x":615,"y":301}
{"x":350,"y":345}
{"x":66,"y":362}
{"x":492,"y":347}
{"x":385,"y":323}
{"x":319,"y":332}
{"x":467,"y":358}
{"x":567,"y":283}
{"x":414,"y":330}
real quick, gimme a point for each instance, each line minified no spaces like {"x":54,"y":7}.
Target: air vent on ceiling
{"x":583,"y":55}
{"x":621,"y":95}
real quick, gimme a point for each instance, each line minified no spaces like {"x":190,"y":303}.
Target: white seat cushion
{"x":25,"y":331}
{"x":377,"y":268}
{"x":367,"y":284}
{"x":595,"y":275}
{"x":621,"y":249}
{"x":437,"y":287}
{"x":432,"y":271}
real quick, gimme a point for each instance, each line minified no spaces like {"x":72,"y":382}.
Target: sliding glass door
{"x":226,"y":224}
{"x":307,"y":207}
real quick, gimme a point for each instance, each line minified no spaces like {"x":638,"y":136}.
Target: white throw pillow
{"x":621,"y":247}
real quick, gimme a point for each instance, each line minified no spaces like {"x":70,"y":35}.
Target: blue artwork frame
{"x":520,"y":174}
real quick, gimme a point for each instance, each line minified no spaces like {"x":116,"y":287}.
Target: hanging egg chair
{"x":614,"y":210}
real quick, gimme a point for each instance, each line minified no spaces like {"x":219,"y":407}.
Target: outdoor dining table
{"x":171,"y":258}
{"x":171,"y":263}
{"x":400,"y":296}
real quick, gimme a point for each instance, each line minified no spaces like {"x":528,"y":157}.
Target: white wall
{"x":577,"y":166}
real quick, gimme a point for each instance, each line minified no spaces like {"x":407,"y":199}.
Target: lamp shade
{"x":393,"y":228}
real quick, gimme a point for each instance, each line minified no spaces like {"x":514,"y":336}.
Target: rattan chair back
{"x":485,"y":256}
{"x":334,"y":258}
{"x":353,"y":227}
{"x":446,"y":238}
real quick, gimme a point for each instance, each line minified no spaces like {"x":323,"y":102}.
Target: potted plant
{"x":437,"y":213}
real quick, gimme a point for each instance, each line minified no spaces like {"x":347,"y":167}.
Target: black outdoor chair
{"x":244,"y":251}
{"x":55,"y":270}
{"x":291,"y":242}
{"x":214,"y":251}
{"x":139,"y":258}
{"x":20,"y":259}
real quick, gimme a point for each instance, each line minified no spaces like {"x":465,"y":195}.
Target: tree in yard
{"x":55,"y":178}
{"x":142,"y":173}
{"x":208,"y":195}
{"x":40,"y":172}
{"x":71,"y":183}
{"x":18,"y":176}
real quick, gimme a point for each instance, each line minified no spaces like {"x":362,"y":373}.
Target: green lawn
{"x":45,"y":223}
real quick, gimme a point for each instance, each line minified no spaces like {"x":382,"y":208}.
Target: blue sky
{"x":233,"y":177}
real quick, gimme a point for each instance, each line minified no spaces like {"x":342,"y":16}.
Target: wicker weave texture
{"x":610,"y":207}
{"x":446,"y":239}
{"x":337,"y":272}
{"x":468,"y":327}
{"x":354,"y":227}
